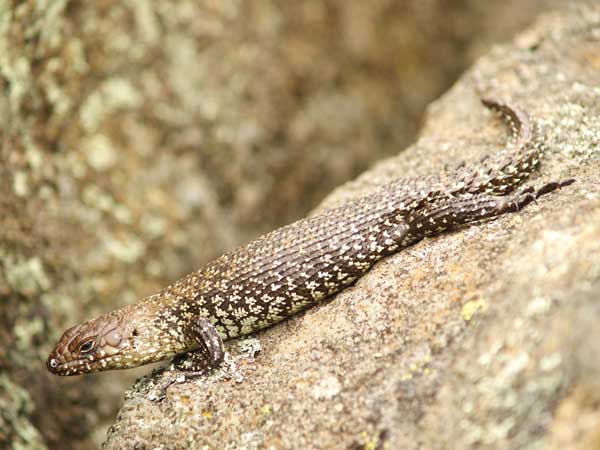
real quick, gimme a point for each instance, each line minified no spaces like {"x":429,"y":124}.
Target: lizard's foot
{"x":183,"y":369}
{"x":187,"y":367}
{"x":530,"y":194}
{"x":552,"y":186}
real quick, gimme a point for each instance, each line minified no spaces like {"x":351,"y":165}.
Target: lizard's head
{"x":95,"y":345}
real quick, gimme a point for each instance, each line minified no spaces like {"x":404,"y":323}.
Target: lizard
{"x":298,"y":265}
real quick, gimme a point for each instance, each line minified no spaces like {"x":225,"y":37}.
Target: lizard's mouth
{"x":66,"y":364}
{"x":59,"y":366}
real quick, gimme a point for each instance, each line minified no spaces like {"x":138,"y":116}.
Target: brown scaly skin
{"x":294,"y":267}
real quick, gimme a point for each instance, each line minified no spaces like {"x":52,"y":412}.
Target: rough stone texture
{"x":485,"y":338}
{"x":139,"y":139}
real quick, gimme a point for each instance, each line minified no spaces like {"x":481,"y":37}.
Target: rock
{"x":484,"y":338}
{"x":141,"y":139}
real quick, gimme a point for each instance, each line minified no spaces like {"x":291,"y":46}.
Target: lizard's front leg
{"x":210,"y":352}
{"x":209,"y":355}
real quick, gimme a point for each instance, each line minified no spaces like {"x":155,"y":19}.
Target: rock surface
{"x":485,"y":338}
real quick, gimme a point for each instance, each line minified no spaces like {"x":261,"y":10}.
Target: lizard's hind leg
{"x":448,"y":213}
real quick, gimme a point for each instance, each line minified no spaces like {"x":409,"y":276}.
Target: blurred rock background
{"x":140,"y":139}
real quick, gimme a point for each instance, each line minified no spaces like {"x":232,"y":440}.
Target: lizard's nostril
{"x":52,"y":363}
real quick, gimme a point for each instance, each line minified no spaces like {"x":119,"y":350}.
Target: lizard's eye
{"x":87,"y":346}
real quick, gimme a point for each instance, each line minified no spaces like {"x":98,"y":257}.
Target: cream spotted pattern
{"x":293,"y":267}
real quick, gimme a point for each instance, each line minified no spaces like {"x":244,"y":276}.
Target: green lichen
{"x":21,"y":184}
{"x":25,"y":330}
{"x":100,"y":152}
{"x":25,"y":276}
{"x":15,"y":406}
{"x":101,"y":200}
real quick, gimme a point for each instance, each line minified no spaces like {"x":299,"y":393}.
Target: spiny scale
{"x":293,"y":267}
